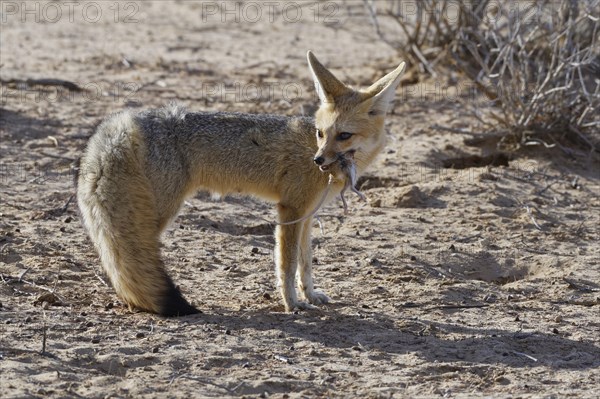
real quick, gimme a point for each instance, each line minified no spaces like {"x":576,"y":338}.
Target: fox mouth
{"x":342,"y":158}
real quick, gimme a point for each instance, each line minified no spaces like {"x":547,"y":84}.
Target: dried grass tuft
{"x":538,"y":64}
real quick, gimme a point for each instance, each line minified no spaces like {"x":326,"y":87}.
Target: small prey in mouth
{"x":348,"y":167}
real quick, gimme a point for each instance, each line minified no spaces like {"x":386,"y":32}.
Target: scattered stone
{"x":376,"y":203}
{"x":490,"y":298}
{"x":412,"y":197}
{"x":502,"y":380}
{"x":47,"y":299}
{"x":375,"y":262}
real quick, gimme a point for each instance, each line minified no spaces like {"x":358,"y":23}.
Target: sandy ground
{"x":474,"y":282}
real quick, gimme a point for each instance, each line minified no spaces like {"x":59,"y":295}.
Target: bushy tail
{"x":119,"y":211}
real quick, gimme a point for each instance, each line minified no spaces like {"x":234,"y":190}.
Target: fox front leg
{"x":286,"y":258}
{"x":305,"y":278}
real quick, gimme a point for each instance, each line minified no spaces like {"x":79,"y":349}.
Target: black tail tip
{"x":174,"y":304}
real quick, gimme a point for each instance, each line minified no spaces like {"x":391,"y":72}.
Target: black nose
{"x":319,"y":160}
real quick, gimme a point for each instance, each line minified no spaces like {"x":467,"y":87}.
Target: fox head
{"x":350,"y":122}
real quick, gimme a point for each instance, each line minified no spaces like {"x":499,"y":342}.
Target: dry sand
{"x":475,"y":282}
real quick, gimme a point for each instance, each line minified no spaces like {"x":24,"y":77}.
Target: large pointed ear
{"x":328,"y":86}
{"x":384,"y":90}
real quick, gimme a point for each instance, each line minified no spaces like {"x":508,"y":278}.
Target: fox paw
{"x":317,"y":297}
{"x":300,"y":305}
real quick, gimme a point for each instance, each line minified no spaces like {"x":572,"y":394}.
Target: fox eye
{"x":344,"y":136}
{"x":319,"y":133}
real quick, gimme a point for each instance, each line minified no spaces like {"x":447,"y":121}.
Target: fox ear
{"x":384,"y":90}
{"x":328,"y":87}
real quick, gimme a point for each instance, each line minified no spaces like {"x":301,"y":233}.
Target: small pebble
{"x":140,"y":335}
{"x":490,"y":298}
{"x":374,"y":262}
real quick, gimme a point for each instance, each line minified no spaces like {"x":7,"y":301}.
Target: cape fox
{"x":138,"y":168}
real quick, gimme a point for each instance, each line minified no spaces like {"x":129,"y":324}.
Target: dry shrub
{"x":537,"y":62}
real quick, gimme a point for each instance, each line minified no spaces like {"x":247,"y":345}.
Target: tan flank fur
{"x":139,"y":167}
